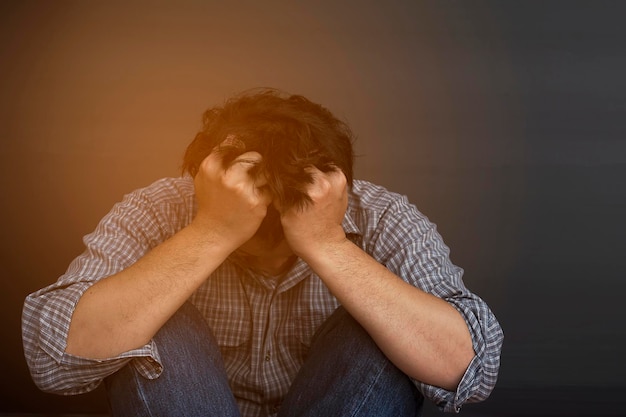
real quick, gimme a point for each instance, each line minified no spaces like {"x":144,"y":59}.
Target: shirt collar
{"x":349,"y":225}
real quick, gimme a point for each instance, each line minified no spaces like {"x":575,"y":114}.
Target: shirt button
{"x":267,"y":357}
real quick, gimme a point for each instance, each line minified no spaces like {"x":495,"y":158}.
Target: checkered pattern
{"x":263,"y":324}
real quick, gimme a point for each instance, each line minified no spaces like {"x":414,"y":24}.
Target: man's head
{"x":290,"y":132}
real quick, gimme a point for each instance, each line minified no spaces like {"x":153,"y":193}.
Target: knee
{"x":186,"y":335}
{"x":346,"y":372}
{"x":192,"y":377}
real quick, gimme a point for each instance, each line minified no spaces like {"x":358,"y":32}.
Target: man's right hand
{"x":125,"y":310}
{"x":233,"y":199}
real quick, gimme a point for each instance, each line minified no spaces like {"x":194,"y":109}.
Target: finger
{"x":244,"y":167}
{"x":247,"y":160}
{"x":337,"y":178}
{"x":212,"y":164}
{"x":334,"y":178}
{"x":260,"y":180}
{"x":215,"y":160}
{"x":264,"y":194}
{"x":313,"y":171}
{"x":277,"y":206}
{"x":244,"y":170}
{"x":260,"y":186}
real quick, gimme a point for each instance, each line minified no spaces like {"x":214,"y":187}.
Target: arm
{"x":125,"y":310}
{"x":423,"y":335}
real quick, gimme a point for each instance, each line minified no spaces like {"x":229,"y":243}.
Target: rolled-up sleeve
{"x":482,"y":373}
{"x":134,"y":226}
{"x":46,"y":319}
{"x":408,"y":244}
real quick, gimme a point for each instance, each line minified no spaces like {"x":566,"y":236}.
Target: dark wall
{"x":503,"y":121}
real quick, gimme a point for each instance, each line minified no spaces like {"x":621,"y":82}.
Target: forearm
{"x":125,"y":310}
{"x":423,"y":335}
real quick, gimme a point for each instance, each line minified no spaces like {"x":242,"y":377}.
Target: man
{"x":267,"y":281}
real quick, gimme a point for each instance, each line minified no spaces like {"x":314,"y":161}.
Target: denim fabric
{"x":251,"y":317}
{"x":193,"y":382}
{"x":345,"y":374}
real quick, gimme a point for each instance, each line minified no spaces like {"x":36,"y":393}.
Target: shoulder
{"x":166,"y":205}
{"x":167,"y":190}
{"x":366,"y":196}
{"x":376,"y":211}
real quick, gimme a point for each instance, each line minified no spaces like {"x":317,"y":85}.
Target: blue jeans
{"x":345,"y":374}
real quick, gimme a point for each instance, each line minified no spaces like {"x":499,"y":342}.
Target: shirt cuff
{"x":77,"y":375}
{"x":451,"y":401}
{"x":481,"y":374}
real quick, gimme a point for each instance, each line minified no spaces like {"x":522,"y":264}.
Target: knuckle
{"x":325,"y":183}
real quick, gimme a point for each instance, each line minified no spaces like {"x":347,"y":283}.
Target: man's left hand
{"x":314,"y":225}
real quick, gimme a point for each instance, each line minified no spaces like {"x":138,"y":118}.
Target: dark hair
{"x":289,"y":131}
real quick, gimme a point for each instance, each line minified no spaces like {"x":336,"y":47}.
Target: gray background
{"x":503,"y":121}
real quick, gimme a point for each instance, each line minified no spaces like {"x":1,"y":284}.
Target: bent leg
{"x":193,"y":381}
{"x":347,"y":375}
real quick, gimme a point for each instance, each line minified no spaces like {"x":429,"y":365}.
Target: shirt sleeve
{"x":408,"y":244}
{"x":125,"y":234}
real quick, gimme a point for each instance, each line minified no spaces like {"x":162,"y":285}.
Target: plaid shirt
{"x":263,"y":325}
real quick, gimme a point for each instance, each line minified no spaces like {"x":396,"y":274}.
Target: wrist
{"x":325,"y":251}
{"x":211,"y":237}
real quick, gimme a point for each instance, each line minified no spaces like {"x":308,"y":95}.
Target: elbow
{"x":53,"y":377}
{"x":453,"y":375}
{"x":60,"y":383}
{"x":447,"y":372}
{"x":458,"y":362}
{"x":46,"y":373}
{"x":452,"y":363}
{"x":47,"y":384}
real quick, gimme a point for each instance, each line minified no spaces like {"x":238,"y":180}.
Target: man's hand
{"x":125,"y":310}
{"x":421,"y":334}
{"x":311,"y":227}
{"x":232,"y":201}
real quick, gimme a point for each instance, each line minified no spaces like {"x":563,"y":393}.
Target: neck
{"x":272,"y":266}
